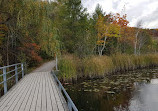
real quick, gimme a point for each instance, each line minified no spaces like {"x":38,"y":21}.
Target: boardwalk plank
{"x":13,"y":96}
{"x":62,"y":99}
{"x":49,"y":102}
{"x":30,"y":99}
{"x":18,"y":101}
{"x":35,"y":92}
{"x":53,"y":99}
{"x":26,"y":96}
{"x":44,"y":101}
{"x":59,"y":103}
{"x":15,"y":87}
{"x":34,"y":101}
{"x":39,"y":98}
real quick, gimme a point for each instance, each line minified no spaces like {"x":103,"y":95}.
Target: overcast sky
{"x":145,"y":10}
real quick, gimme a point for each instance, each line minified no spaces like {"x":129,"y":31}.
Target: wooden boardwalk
{"x":35,"y":92}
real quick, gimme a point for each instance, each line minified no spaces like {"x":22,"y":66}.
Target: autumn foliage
{"x":32,"y":30}
{"x":31,"y":50}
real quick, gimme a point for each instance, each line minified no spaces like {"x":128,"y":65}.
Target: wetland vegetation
{"x":73,"y":68}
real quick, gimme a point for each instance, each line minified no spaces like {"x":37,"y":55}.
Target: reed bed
{"x":100,"y":66}
{"x":68,"y":67}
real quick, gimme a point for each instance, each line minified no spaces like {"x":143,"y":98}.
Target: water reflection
{"x":146,"y":98}
{"x":137,"y":91}
{"x":154,"y":81}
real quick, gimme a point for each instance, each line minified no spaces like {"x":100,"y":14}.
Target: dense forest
{"x":32,"y":31}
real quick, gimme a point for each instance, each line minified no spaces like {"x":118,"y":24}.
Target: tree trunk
{"x":103,"y":47}
{"x":135,"y":43}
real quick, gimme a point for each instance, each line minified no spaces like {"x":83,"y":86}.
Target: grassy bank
{"x":99,"y":66}
{"x":68,"y":67}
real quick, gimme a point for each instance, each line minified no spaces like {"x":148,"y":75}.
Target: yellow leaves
{"x":106,"y":29}
{"x":113,"y":30}
{"x":100,"y":42}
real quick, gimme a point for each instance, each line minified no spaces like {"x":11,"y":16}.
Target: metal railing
{"x":70,"y":103}
{"x":6,"y":70}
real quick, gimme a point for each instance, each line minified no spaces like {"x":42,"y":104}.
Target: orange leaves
{"x":100,"y":42}
{"x":106,"y":29}
{"x":128,"y":35}
{"x":31,"y":50}
{"x":35,"y":56}
{"x":121,"y":21}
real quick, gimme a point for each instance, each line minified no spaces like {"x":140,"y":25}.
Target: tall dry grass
{"x":68,"y":67}
{"x":96,"y":66}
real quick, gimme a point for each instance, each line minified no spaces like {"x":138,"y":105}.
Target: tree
{"x":139,"y":24}
{"x":106,"y":28}
{"x":98,"y":12}
{"x":27,"y":22}
{"x":127,"y":39}
{"x":143,"y":39}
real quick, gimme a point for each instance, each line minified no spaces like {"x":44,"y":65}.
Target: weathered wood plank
{"x":11,"y":95}
{"x":20,"y":99}
{"x":44,"y":101}
{"x":62,"y":99}
{"x":59,"y":103}
{"x":35,"y":92}
{"x":30,"y":99}
{"x":26,"y":96}
{"x":52,"y":95}
{"x":18,"y":93}
{"x":34,"y":101}
{"x":39,"y":98}
{"x":15,"y":87}
{"x":48,"y":95}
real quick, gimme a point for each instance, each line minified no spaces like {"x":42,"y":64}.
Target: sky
{"x":136,"y":10}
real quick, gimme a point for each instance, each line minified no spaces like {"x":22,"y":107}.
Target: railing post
{"x":5,"y":80}
{"x":22,"y":68}
{"x":59,"y":88}
{"x":56,"y":63}
{"x":69,"y":106}
{"x":16,"y":73}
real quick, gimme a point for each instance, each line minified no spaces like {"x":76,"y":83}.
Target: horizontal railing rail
{"x":19,"y":66}
{"x":70,"y":103}
{"x":10,"y":65}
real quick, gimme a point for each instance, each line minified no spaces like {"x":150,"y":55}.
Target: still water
{"x":132,"y":91}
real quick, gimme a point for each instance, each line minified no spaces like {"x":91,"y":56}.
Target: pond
{"x":132,"y":91}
